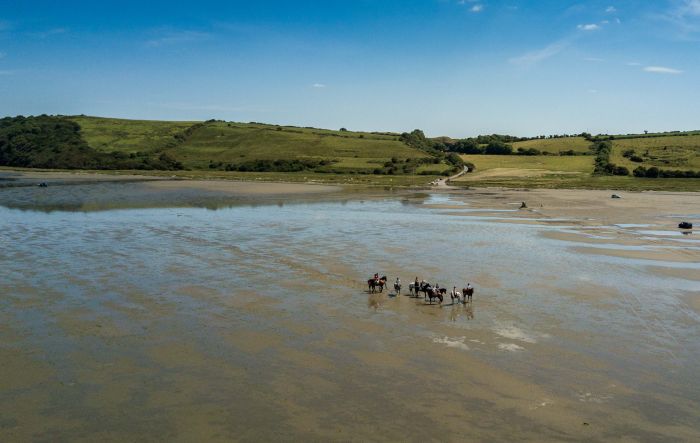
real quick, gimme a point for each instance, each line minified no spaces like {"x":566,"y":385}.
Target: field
{"x":554,"y":145}
{"x":222,"y":143}
{"x":234,"y":143}
{"x":111,"y":134}
{"x":667,"y":152}
{"x":574,"y":172}
{"x":208,"y":149}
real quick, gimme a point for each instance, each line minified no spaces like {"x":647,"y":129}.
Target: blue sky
{"x":449,"y":67}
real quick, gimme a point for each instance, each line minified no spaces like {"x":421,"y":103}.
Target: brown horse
{"x":434,"y":293}
{"x":378,"y":283}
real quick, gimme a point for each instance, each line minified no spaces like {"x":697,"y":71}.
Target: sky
{"x":449,"y":67}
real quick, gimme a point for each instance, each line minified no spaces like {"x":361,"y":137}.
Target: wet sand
{"x":252,"y":322}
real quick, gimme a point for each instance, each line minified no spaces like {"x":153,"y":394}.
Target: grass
{"x":557,"y":172}
{"x":554,"y":145}
{"x":550,"y":164}
{"x":111,"y":134}
{"x":223,"y":142}
{"x":667,"y":152}
{"x":236,"y":143}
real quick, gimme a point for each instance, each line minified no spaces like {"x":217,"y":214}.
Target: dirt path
{"x":444,"y":182}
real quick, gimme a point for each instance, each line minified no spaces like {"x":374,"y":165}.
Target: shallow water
{"x":253,"y":322}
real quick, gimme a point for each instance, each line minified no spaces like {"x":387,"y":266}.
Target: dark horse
{"x":378,"y":283}
{"x":468,"y":293}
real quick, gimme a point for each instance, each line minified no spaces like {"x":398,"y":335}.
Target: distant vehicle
{"x":43,"y":185}
{"x":685,"y":225}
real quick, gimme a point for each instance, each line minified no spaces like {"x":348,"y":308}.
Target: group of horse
{"x":429,"y":291}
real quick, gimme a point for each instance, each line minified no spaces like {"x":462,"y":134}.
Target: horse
{"x":455,"y":294}
{"x":397,"y":288}
{"x":468,"y":292}
{"x":373,"y":284}
{"x":412,"y":288}
{"x":434,"y":293}
{"x":424,"y":288}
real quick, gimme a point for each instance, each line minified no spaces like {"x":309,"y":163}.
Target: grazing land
{"x":556,"y":145}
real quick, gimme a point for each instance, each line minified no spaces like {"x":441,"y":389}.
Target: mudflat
{"x":217,"y":311}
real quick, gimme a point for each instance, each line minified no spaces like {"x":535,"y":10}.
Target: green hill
{"x":555,"y":145}
{"x":82,"y":142}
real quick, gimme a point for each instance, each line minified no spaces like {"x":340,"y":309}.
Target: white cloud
{"x":662,"y":70}
{"x":634,"y":64}
{"x":611,"y":9}
{"x":477,"y":8}
{"x":318,"y":85}
{"x":534,"y":57}
{"x":588,"y":27}
{"x":175,"y":37}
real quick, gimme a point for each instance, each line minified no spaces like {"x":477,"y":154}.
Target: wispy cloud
{"x":588,"y":27}
{"x":634,"y":64}
{"x":476,"y":7}
{"x":170,"y":37}
{"x":534,"y":57}
{"x":662,"y":70}
{"x":47,"y":33}
{"x":684,"y":17}
{"x":611,"y":10}
{"x":593,"y":59}
{"x":318,"y":86}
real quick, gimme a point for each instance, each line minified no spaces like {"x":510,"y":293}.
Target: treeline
{"x":282,"y":165}
{"x":54,"y":142}
{"x":494,"y":144}
{"x":654,"y":172}
{"x":603,"y":166}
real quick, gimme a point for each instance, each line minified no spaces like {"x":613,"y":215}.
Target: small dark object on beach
{"x":523,"y":206}
{"x":615,"y":196}
{"x":43,"y":185}
{"x":685,"y":225}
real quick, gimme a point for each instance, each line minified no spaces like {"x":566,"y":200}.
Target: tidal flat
{"x":202,"y":311}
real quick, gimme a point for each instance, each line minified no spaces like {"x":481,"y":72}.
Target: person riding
{"x":376,"y":276}
{"x":398,"y":281}
{"x":468,"y":292}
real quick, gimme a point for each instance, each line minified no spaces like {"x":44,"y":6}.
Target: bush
{"x":640,"y":171}
{"x":652,"y":172}
{"x":498,"y":148}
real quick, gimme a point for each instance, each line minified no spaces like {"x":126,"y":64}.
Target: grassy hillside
{"x":235,"y":143}
{"x":219,"y":145}
{"x":665,"y":152}
{"x":128,"y":136}
{"x":555,"y":145}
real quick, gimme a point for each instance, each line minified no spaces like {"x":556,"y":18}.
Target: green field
{"x":112,"y":134}
{"x":573,"y":172}
{"x":667,"y":152}
{"x":219,"y":149}
{"x":225,"y":143}
{"x":233,"y":143}
{"x":555,"y":145}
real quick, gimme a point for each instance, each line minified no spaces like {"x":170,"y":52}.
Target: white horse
{"x":454,"y":294}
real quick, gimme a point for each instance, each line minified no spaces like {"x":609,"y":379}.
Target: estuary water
{"x":252,"y":321}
